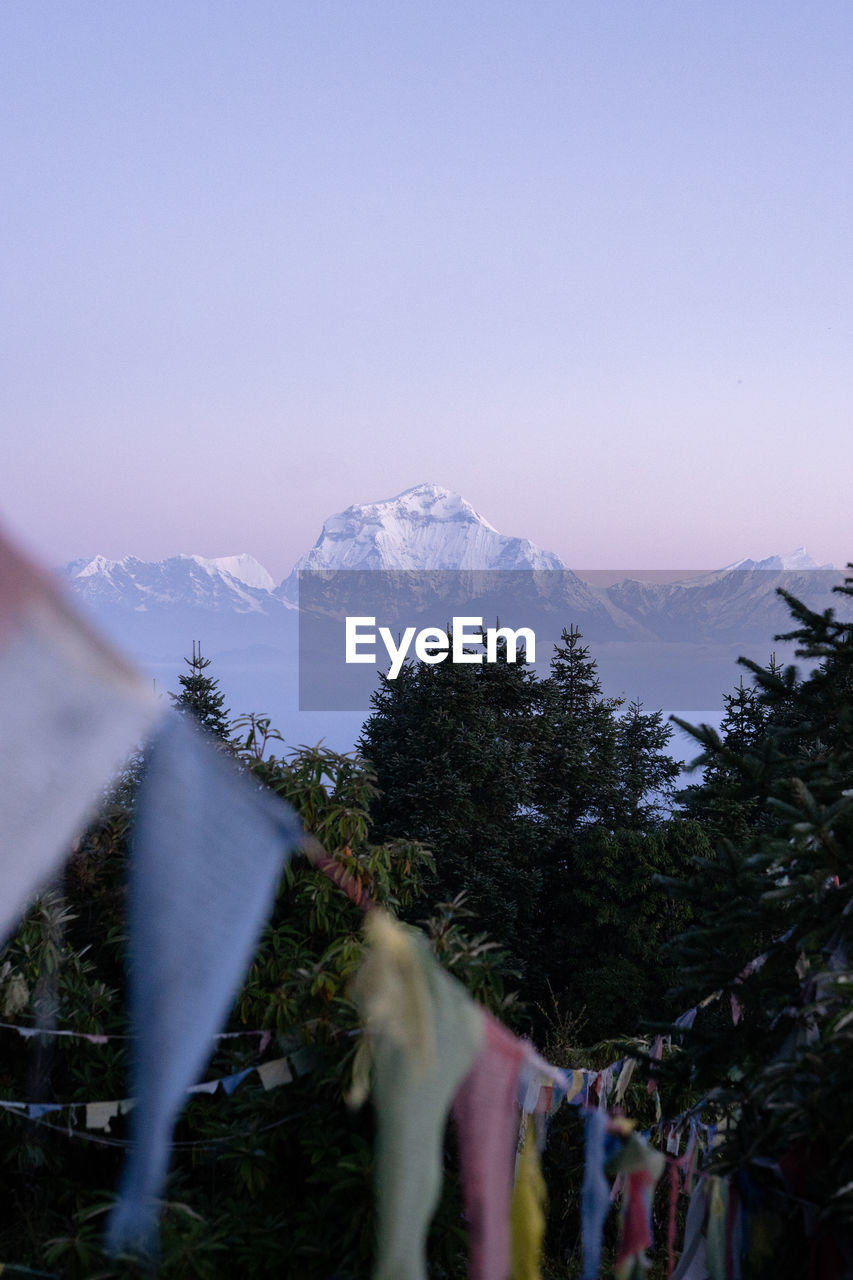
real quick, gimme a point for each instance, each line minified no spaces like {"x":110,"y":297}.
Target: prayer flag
{"x":486,"y":1114}
{"x":595,"y":1193}
{"x":528,"y":1210}
{"x":72,"y":712}
{"x":425,"y":1032}
{"x":209,"y":846}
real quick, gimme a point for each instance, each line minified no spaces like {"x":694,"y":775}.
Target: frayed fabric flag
{"x":692,"y":1263}
{"x":641,"y":1166}
{"x":623,"y":1080}
{"x":576,"y":1085}
{"x":208,"y":850}
{"x":527,"y":1211}
{"x":424,"y":1033}
{"x":715,"y":1234}
{"x":72,"y":713}
{"x":486,"y":1115}
{"x":595,"y":1193}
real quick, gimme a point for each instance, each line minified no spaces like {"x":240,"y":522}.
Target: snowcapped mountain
{"x":796,"y":560}
{"x":244,"y":568}
{"x":674,"y":643}
{"x":427,"y":527}
{"x":235,"y":600}
{"x":235,"y":583}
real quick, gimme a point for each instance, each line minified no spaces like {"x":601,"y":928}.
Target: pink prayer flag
{"x":637,"y":1229}
{"x":486,"y":1113}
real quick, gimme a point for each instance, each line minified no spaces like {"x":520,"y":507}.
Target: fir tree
{"x":576,"y":780}
{"x":772,"y":1050}
{"x":201,"y":696}
{"x":451,"y":745}
{"x":727,"y":802}
{"x":540,"y":804}
{"x":646,"y":773}
{"x":602,"y":784}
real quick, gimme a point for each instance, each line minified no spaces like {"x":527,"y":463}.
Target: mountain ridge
{"x":425,"y":527}
{"x":673,"y":642}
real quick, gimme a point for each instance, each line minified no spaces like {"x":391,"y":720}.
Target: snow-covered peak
{"x":796,"y":560}
{"x":244,"y":568}
{"x":427,"y":527}
{"x":233,"y":583}
{"x":98,"y":564}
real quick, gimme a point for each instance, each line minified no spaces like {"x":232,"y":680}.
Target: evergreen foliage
{"x":535,"y":809}
{"x":646,"y":773}
{"x":727,"y":802}
{"x":452,"y":749}
{"x":545,"y":806}
{"x":577,"y":779}
{"x":772,"y":1049}
{"x":201,"y":696}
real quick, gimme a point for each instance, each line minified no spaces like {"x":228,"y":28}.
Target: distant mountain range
{"x":249,"y":623}
{"x":236,"y":583}
{"x":426,"y":527}
{"x":431,"y":528}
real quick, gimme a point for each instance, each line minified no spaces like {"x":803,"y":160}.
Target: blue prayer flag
{"x":209,"y":846}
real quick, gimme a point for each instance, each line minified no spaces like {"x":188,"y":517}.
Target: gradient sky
{"x":587,"y":263}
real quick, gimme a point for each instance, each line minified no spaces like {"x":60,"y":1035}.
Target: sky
{"x":589,"y":264}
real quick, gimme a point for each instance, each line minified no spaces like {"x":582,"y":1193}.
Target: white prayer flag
{"x":275,"y":1073}
{"x":71,"y":712}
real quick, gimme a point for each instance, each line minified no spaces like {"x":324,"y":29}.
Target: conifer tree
{"x":451,"y":745}
{"x":772,"y":947}
{"x":540,"y":804}
{"x":602,"y":785}
{"x":646,"y":773}
{"x":201,"y":696}
{"x":577,"y":770}
{"x":726,"y":802}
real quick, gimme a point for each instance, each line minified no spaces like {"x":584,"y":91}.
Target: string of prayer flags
{"x":486,"y":1115}
{"x":99,"y":1115}
{"x":424,"y":1032}
{"x":542,"y":1087}
{"x":26,"y":1033}
{"x":73,"y":712}
{"x":208,"y":849}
